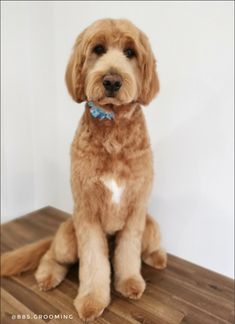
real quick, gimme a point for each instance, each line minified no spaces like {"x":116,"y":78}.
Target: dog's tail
{"x":25,"y":258}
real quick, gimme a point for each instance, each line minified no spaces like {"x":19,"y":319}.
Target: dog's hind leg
{"x":152,"y":253}
{"x":55,"y":263}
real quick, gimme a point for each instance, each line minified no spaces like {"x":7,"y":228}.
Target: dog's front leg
{"x":127,"y":256}
{"x":94,"y":271}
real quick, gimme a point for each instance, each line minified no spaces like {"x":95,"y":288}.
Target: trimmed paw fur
{"x":49,"y":277}
{"x":48,"y":283}
{"x":89,"y":307}
{"x":132,"y":287}
{"x":157,"y":259}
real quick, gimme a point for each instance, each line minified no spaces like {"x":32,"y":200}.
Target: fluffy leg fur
{"x":94,"y":271}
{"x":152,"y":253}
{"x":24,"y":259}
{"x":127,"y":256}
{"x":55,"y":263}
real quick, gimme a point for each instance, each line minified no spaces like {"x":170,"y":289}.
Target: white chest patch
{"x":115,"y":189}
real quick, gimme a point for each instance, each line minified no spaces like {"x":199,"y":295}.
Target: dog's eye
{"x":99,"y":49}
{"x":129,"y":52}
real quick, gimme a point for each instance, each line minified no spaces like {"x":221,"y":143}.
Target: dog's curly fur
{"x":105,"y":154}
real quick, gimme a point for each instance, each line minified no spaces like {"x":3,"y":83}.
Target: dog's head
{"x":112,"y":63}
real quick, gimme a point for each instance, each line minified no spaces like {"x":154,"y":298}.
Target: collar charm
{"x":99,"y":113}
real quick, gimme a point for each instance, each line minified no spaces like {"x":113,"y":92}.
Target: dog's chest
{"x":114,"y":218}
{"x":115,"y":189}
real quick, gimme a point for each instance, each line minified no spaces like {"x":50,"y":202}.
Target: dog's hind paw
{"x":157,"y":259}
{"x":49,"y":277}
{"x":48,"y":283}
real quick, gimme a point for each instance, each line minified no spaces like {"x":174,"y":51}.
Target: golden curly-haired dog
{"x":113,"y":69}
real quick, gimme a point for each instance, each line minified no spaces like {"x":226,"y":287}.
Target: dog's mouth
{"x":109,"y":100}
{"x":110,"y":89}
{"x":111,"y":94}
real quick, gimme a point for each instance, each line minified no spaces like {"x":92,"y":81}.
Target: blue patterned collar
{"x":99,"y":113}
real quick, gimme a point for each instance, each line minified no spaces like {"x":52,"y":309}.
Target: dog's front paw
{"x":89,"y":307}
{"x":132,"y":287}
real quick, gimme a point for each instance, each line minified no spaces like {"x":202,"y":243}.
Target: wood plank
{"x":182,"y":293}
{"x":28,"y":297}
{"x":199,"y":299}
{"x":14,"y":307}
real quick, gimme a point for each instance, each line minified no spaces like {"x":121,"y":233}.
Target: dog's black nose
{"x":112,"y":82}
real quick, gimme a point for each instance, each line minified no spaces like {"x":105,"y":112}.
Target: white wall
{"x":29,"y":114}
{"x":190,"y":122}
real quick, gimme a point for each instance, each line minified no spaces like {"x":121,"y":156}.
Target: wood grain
{"x":182,"y":293}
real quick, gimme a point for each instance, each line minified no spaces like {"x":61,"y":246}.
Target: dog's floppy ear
{"x":150,"y":83}
{"x":74,"y":72}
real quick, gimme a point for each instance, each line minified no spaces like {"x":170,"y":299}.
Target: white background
{"x":190,"y":122}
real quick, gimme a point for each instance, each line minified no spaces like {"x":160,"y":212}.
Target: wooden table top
{"x":182,"y":293}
